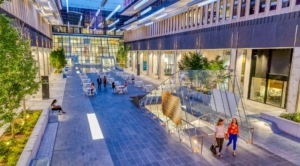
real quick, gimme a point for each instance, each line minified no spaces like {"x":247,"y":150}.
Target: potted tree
{"x":58,"y":60}
{"x":122,"y":55}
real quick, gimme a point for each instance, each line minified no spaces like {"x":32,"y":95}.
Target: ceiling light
{"x":50,"y":6}
{"x":150,"y":23}
{"x":130,"y":20}
{"x":68,"y":25}
{"x":99,"y":25}
{"x":67,"y":2}
{"x":88,"y":27}
{"x":146,"y":11}
{"x":112,"y":13}
{"x":110,"y":25}
{"x":111,"y":30}
{"x":128,"y":29}
{"x":140,"y":4}
{"x":205,"y":2}
{"x":97,"y":13}
{"x":103,"y":3}
{"x":153,"y":14}
{"x":161,"y":16}
{"x":94,"y":29}
{"x":43,"y":12}
{"x":80,"y":18}
{"x":118,"y":30}
{"x":181,"y":10}
{"x":57,"y":22}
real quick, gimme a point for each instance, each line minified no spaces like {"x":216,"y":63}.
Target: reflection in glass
{"x":235,"y":8}
{"x":208,"y":13}
{"x":285,"y":3}
{"x":252,"y":7}
{"x":227,"y":14}
{"x":273,"y":4}
{"x":243,"y":8}
{"x":276,"y":92}
{"x":258,"y":87}
{"x":262,"y":6}
{"x":215,"y":12}
{"x":221,"y":10}
{"x":169,"y":62}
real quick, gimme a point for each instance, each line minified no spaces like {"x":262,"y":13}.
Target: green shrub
{"x":3,"y":148}
{"x":12,"y":159}
{"x":291,"y":116}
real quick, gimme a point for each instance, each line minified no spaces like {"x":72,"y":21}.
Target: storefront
{"x":169,"y":59}
{"x":269,"y":76}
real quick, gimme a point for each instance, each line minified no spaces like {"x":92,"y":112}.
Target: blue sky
{"x":94,"y":4}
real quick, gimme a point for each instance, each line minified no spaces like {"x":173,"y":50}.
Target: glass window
{"x":285,"y":3}
{"x":190,"y":18}
{"x":221,"y":10}
{"x":203,"y":15}
{"x":235,"y":8}
{"x":297,"y":2}
{"x":227,"y":14}
{"x":182,"y":20}
{"x":195,"y":17}
{"x":252,"y":7}
{"x":208,"y":13}
{"x":199,"y":15}
{"x":243,"y":8}
{"x":273,"y":4}
{"x":262,"y":5}
{"x":215,"y":12}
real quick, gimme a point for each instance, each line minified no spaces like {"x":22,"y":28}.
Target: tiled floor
{"x":130,"y":136}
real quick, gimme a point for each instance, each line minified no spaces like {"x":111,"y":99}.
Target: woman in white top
{"x":219,"y":135}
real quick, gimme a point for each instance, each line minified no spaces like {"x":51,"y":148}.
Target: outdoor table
{"x":148,"y":87}
{"x":89,"y":90}
{"x":138,"y":83}
{"x":86,"y":84}
{"x":119,"y":88}
{"x":87,"y":80}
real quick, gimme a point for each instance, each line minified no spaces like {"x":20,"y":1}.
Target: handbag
{"x":226,"y":136}
{"x":213,"y":149}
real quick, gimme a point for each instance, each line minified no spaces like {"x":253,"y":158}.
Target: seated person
{"x":125,"y":84}
{"x":56,"y":107}
{"x":92,"y":88}
{"x":132,"y":78}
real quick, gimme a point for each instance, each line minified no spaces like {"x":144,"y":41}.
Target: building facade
{"x":258,"y":39}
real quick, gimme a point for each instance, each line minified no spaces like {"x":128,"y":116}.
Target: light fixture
{"x":111,"y":30}
{"x":149,"y":23}
{"x":205,"y":2}
{"x":112,"y":13}
{"x":181,"y":10}
{"x":161,"y":16}
{"x":130,"y":20}
{"x":118,"y":30}
{"x":43,"y":12}
{"x":88,"y":27}
{"x":110,"y":25}
{"x":67,"y":2}
{"x":57,"y":22}
{"x":97,"y":13}
{"x":94,"y":29}
{"x":68,"y":24}
{"x":50,"y":6}
{"x":146,"y":11}
{"x":103,"y":3}
{"x":80,"y":18}
{"x":99,"y":25}
{"x":140,"y":4}
{"x":151,"y":15}
{"x":128,"y":29}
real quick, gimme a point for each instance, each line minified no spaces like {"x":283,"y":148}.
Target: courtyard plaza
{"x":130,"y":137}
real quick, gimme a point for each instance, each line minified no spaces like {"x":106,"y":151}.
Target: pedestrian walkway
{"x":130,"y":136}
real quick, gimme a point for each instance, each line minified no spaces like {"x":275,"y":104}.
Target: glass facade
{"x":88,"y":49}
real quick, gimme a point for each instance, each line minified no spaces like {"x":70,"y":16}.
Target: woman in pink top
{"x":219,"y":135}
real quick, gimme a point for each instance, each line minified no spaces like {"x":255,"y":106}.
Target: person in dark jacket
{"x":104,"y":82}
{"x":99,"y":80}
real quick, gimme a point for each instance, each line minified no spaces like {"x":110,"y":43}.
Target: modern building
{"x":258,"y":39}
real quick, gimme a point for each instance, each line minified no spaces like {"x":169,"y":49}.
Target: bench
{"x":40,"y":162}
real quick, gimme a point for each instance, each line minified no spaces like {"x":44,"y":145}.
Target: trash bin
{"x":45,"y":87}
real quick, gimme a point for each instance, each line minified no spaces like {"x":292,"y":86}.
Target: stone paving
{"x":130,"y":136}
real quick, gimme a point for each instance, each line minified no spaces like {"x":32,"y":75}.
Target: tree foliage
{"x":195,"y":61}
{"x":18,"y":71}
{"x":122,"y":53}
{"x":58,"y":59}
{"x":2,"y":1}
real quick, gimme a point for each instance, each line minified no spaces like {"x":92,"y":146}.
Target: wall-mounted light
{"x":97,"y":13}
{"x":99,"y":25}
{"x":112,"y":13}
{"x":150,"y":23}
{"x":43,"y":12}
{"x":140,"y":4}
{"x":111,"y":30}
{"x":161,"y":16}
{"x":151,"y":15}
{"x":146,"y":11}
{"x":112,"y":24}
{"x":50,"y":6}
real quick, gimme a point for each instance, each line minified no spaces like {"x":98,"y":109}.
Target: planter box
{"x":287,"y":126}
{"x":33,"y":143}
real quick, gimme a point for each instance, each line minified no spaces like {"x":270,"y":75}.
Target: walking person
{"x":219,"y":135}
{"x":104,"y":82}
{"x":99,"y":80}
{"x":233,"y":131}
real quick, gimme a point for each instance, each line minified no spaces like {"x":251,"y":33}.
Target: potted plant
{"x":58,"y":60}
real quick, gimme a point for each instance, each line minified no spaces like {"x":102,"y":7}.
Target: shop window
{"x":285,"y":3}
{"x":208,"y":13}
{"x":203,"y":15}
{"x":262,"y":6}
{"x":227,"y":13}
{"x":243,"y":8}
{"x":215,"y":12}
{"x":273,"y":4}
{"x":234,"y":9}
{"x":221,"y":10}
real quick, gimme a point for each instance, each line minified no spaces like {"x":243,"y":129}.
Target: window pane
{"x":252,"y":7}
{"x":227,"y":14}
{"x":215,"y":12}
{"x":262,"y":6}
{"x":208,"y":14}
{"x":243,"y":8}
{"x":273,"y":4}
{"x":234,"y":10}
{"x":285,"y":3}
{"x":221,"y":10}
{"x":203,"y":15}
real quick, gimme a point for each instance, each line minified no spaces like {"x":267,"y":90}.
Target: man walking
{"x":99,"y":80}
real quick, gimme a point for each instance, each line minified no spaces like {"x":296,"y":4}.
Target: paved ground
{"x":47,"y":144}
{"x":130,"y":136}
